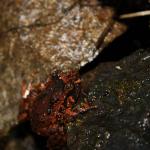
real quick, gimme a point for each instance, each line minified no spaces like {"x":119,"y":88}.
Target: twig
{"x":135,"y":14}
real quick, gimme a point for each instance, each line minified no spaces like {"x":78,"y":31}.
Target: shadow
{"x":127,"y":6}
{"x":136,"y":37}
{"x":19,"y":134}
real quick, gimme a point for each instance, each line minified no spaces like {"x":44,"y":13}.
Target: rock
{"x":23,"y":13}
{"x":121,"y":92}
{"x":37,"y":37}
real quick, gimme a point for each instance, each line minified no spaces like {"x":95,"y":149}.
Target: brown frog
{"x":50,"y":105}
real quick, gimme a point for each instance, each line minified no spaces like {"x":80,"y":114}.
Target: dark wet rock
{"x":121,"y":121}
{"x":39,"y":36}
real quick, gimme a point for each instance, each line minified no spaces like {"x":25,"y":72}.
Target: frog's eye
{"x":49,"y":110}
{"x":69,"y":86}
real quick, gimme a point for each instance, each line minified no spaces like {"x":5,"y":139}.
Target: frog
{"x":52,"y":104}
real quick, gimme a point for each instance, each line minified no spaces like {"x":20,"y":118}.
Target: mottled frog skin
{"x":50,"y":105}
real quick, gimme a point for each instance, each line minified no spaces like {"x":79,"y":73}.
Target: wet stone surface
{"x":121,"y":92}
{"x":38,"y":37}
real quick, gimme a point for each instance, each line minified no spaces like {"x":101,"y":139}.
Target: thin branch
{"x":135,"y":14}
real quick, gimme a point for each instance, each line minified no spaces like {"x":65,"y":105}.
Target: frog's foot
{"x":83,"y":108}
{"x":70,"y":112}
{"x":86,"y":107}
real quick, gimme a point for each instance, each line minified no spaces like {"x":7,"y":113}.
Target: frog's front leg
{"x":74,"y":111}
